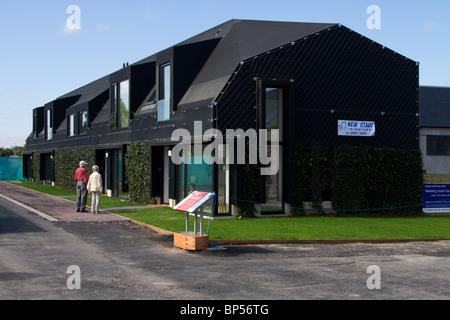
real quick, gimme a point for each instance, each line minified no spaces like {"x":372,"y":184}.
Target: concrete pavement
{"x":50,"y":207}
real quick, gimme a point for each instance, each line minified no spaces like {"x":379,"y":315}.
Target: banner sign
{"x":194,"y":201}
{"x":356,"y":128}
{"x":436,"y":198}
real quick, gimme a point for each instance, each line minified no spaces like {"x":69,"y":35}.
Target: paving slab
{"x":51,"y":207}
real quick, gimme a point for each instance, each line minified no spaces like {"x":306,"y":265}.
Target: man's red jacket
{"x":81,"y":174}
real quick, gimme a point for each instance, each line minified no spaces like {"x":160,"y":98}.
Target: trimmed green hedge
{"x":137,"y":161}
{"x":373,"y":178}
{"x":359,"y":179}
{"x":250,"y":190}
{"x":313,"y":166}
{"x":67,"y":161}
{"x":36,"y":164}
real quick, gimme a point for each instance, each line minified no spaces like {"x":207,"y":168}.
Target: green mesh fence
{"x":11,"y":169}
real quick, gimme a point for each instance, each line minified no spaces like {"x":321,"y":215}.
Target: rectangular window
{"x":124,"y":101}
{"x":223,"y":180}
{"x":120,"y":105}
{"x":273,"y":106}
{"x":118,"y":183}
{"x":150,"y":102}
{"x":438,"y":145}
{"x":49,"y":129}
{"x":274,"y":187}
{"x":195,"y":174}
{"x":71,"y":125}
{"x":164,"y":93}
{"x":274,"y":111}
{"x":35,"y":125}
{"x":82,"y":122}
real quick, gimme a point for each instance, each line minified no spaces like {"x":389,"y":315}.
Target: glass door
{"x":117,"y":170}
{"x":195,"y":174}
{"x":273,"y":119}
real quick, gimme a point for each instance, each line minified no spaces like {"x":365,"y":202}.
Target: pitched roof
{"x":89,"y":91}
{"x":239,"y":40}
{"x":434,"y":106}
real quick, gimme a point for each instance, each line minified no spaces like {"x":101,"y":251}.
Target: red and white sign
{"x":194,"y":201}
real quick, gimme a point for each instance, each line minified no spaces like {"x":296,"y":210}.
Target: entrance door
{"x":160,"y":176}
{"x":100,"y":161}
{"x":117,"y":178}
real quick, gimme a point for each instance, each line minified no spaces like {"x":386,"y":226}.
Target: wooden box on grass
{"x":190,"y":241}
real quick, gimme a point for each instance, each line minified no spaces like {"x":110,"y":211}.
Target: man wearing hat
{"x":81,"y":179}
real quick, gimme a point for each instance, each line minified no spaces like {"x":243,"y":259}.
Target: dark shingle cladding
{"x":435,"y":106}
{"x":89,"y":91}
{"x":237,"y":40}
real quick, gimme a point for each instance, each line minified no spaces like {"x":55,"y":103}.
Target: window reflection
{"x":120,"y":105}
{"x":71,"y":125}
{"x":124,"y":107}
{"x":49,"y":129}
{"x":83,"y":122}
{"x":164,"y":93}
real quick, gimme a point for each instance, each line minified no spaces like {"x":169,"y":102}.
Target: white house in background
{"x":435,"y":130}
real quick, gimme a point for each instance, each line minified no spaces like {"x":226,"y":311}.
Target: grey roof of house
{"x":238,"y":40}
{"x":435,"y":107}
{"x":89,"y":91}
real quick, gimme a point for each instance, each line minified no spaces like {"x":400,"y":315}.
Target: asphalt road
{"x":122,"y":261}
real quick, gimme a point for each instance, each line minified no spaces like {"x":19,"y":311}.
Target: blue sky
{"x":40,"y":60}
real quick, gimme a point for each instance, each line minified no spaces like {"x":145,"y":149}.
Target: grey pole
{"x":195,"y":224}
{"x":201,"y":222}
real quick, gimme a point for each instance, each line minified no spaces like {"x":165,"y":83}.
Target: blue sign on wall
{"x":436,"y":198}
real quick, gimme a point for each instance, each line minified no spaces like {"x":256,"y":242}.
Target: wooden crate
{"x":189,"y":241}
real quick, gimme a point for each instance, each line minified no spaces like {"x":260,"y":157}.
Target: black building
{"x":300,"y":78}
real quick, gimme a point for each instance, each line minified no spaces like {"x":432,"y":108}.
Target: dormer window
{"x":120,"y":105}
{"x":71,"y":125}
{"x":82,"y":122}
{"x":49,"y":125}
{"x":150,"y":102}
{"x":164,"y":93}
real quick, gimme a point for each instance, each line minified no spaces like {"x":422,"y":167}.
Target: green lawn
{"x":417,"y":227}
{"x":46,"y":189}
{"x":301,"y":227}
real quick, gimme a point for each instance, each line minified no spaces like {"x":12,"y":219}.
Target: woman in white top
{"x":95,"y":188}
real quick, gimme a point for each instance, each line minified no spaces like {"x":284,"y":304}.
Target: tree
{"x":12,"y":152}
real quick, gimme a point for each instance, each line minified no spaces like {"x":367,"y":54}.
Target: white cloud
{"x":433,"y":25}
{"x":69,"y":31}
{"x":103,"y":27}
{"x":428,"y":26}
